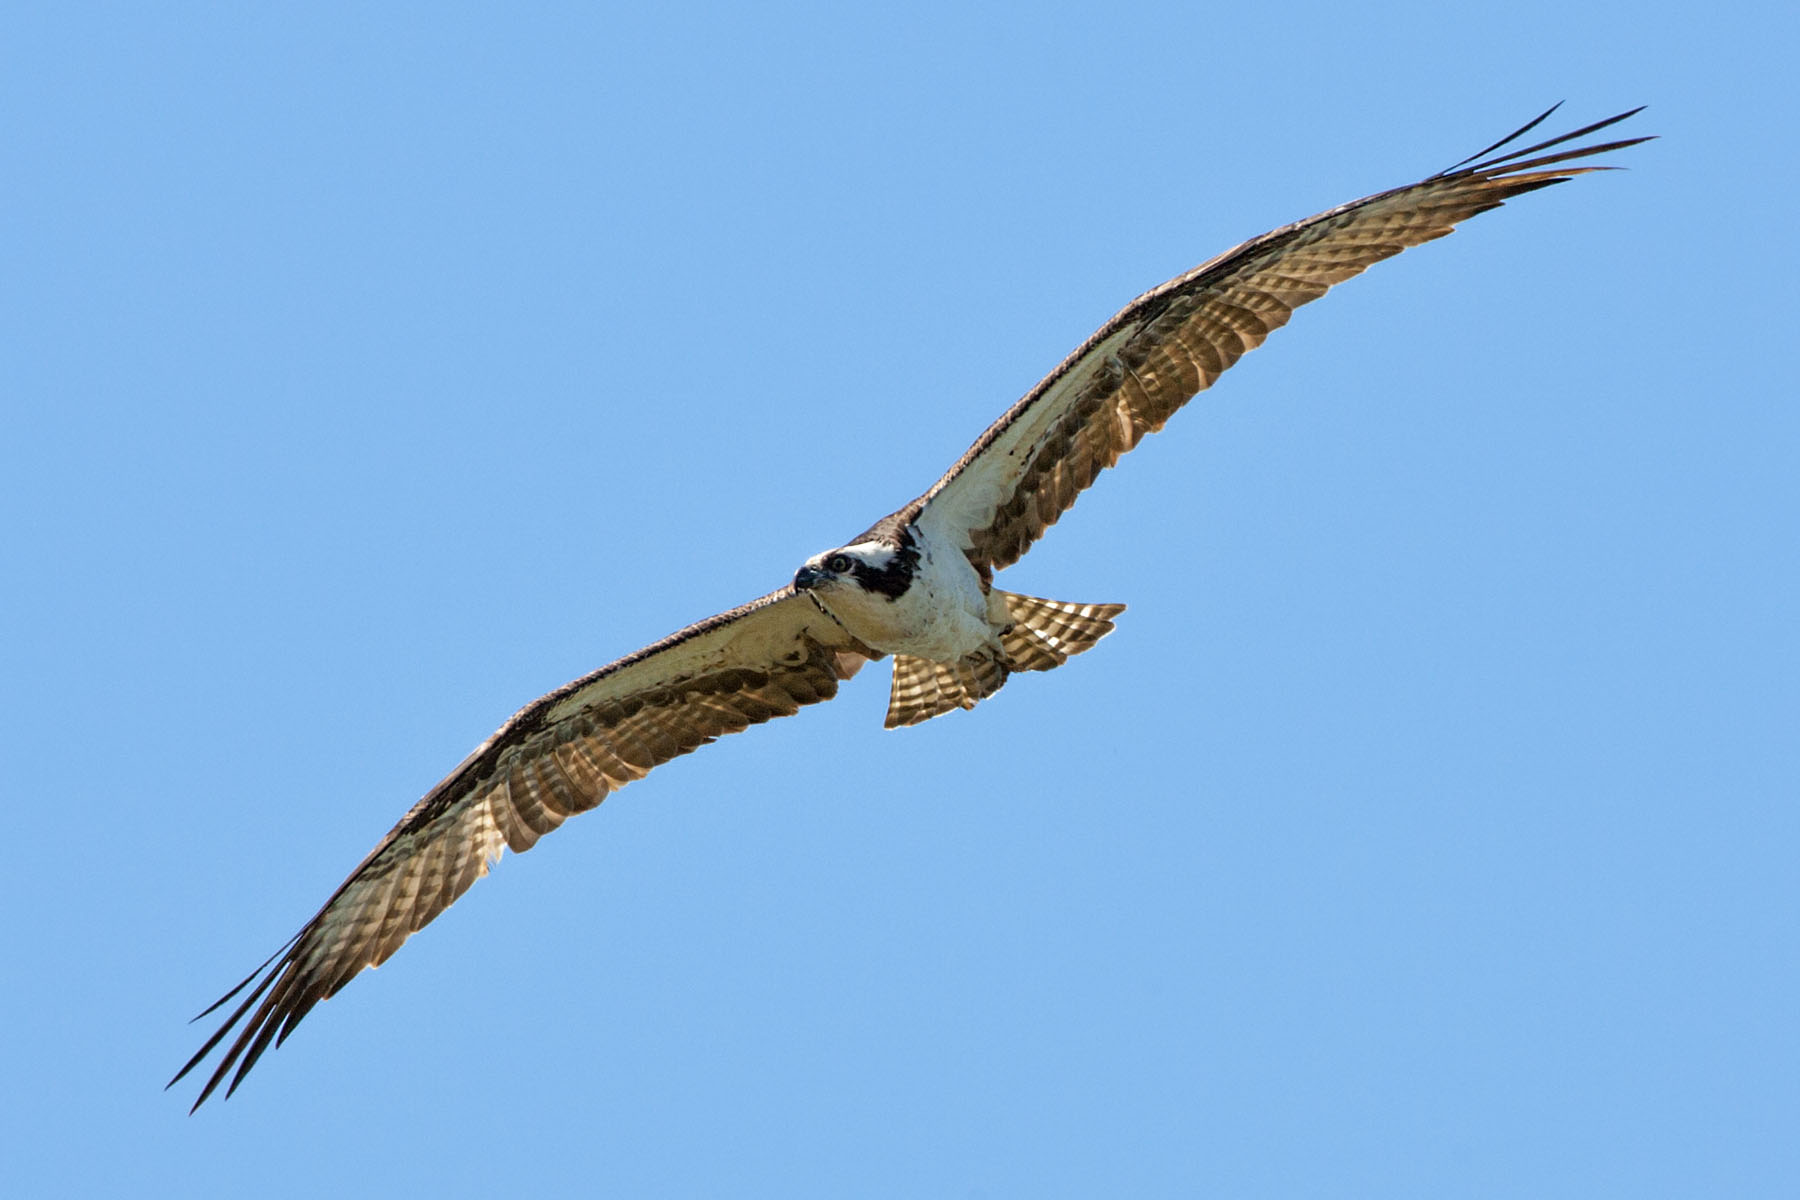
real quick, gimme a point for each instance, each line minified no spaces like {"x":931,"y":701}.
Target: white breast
{"x":941,"y":616}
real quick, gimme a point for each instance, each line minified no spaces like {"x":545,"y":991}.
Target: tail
{"x":1042,"y":634}
{"x":923,"y":688}
{"x":1047,"y":633}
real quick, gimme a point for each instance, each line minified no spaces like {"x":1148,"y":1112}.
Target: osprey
{"x":917,"y":585}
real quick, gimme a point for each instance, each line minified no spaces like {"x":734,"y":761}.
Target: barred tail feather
{"x":1046,"y":633}
{"x":924,"y":689}
{"x":1042,"y":634}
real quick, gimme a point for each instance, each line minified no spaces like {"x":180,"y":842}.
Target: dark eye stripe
{"x":891,"y":580}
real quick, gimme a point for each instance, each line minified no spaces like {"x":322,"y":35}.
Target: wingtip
{"x":1516,"y":134}
{"x":1480,"y":160}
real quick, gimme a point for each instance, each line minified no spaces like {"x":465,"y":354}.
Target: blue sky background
{"x":1428,"y":828}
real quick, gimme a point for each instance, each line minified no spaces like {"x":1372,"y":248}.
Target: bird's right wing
{"x":560,"y":755}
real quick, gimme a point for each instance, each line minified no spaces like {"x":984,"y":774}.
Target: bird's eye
{"x":838,"y":564}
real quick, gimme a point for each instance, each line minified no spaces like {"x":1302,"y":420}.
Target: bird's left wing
{"x":1175,"y":340}
{"x":558,"y":756}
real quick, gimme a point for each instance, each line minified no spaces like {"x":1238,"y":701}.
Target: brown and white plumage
{"x":916,"y":585}
{"x":558,"y":756}
{"x":1174,"y":341}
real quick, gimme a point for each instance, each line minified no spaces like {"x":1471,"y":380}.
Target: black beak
{"x":805,"y":577}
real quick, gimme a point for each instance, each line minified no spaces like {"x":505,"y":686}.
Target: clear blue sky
{"x":1427,"y":829}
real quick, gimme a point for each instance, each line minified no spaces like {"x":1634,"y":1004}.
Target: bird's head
{"x":858,"y":572}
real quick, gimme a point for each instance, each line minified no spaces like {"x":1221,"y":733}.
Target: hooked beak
{"x":806,"y":577}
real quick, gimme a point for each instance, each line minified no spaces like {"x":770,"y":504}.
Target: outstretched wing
{"x":558,"y":756}
{"x":1173,"y":341}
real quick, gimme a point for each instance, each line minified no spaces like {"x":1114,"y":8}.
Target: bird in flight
{"x":917,"y":585}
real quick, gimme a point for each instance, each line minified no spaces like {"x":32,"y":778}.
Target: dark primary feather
{"x":1173,"y":341}
{"x":558,"y":756}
